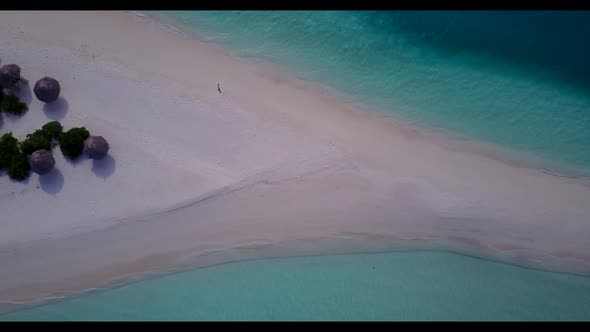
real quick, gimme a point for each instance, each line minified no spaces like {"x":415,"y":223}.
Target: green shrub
{"x":52,"y":129}
{"x":36,"y":141}
{"x":71,"y":142}
{"x":8,"y":149}
{"x":19,"y":168}
{"x":11,"y":104}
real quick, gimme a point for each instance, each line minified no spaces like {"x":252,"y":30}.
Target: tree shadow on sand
{"x":13,"y":117}
{"x":25,"y":181}
{"x":75,"y":162}
{"x":23,"y":91}
{"x":105,"y":167}
{"x":52,"y":182}
{"x":56,"y":110}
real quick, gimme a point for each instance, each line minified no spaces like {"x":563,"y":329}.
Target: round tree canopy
{"x":9,"y":75}
{"x":42,"y":162}
{"x":96,"y":147}
{"x":47,"y":89}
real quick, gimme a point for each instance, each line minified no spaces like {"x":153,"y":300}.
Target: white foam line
{"x":420,"y":238}
{"x":554,"y":173}
{"x":214,"y":250}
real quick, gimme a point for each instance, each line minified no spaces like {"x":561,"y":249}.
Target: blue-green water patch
{"x":413,"y":285}
{"x":517,"y":79}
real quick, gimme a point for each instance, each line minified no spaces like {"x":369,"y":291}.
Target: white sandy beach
{"x":269,"y":160}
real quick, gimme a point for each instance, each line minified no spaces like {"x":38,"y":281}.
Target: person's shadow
{"x":52,"y":182}
{"x":56,"y":110}
{"x":104,"y":167}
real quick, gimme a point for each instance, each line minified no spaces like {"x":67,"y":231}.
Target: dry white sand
{"x":271,"y":160}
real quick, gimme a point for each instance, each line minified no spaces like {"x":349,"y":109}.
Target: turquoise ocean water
{"x":520,"y":80}
{"x":386,"y":286}
{"x":517,"y":79}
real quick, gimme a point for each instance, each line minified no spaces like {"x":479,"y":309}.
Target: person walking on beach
{"x":218,"y":88}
